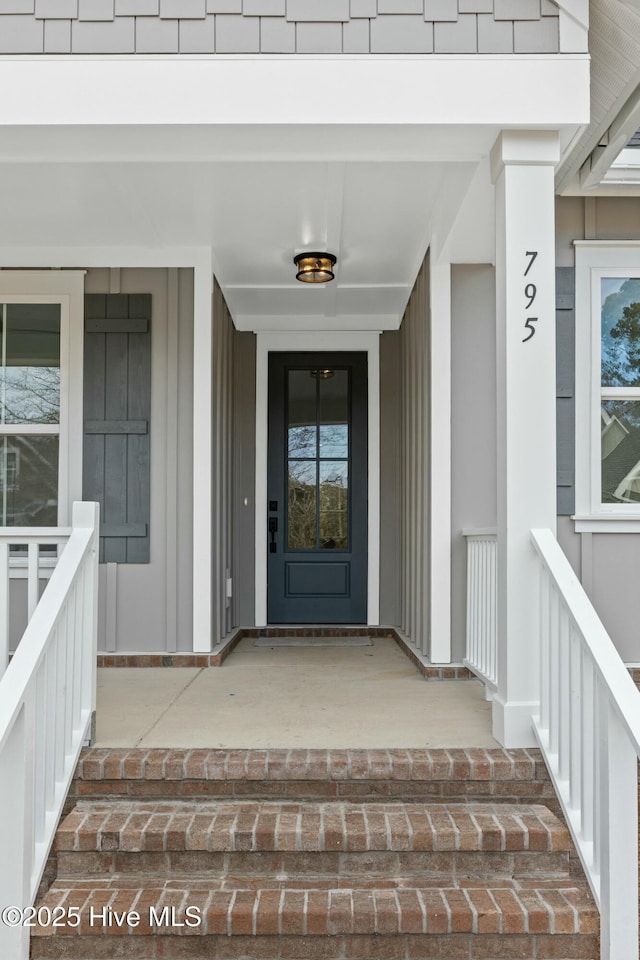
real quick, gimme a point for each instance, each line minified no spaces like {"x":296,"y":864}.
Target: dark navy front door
{"x":317,"y":488}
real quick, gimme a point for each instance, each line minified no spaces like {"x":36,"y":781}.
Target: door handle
{"x":273,"y":529}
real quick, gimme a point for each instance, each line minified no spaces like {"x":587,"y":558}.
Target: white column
{"x":523,"y":172}
{"x":202,"y":452}
{"x":440,"y":457}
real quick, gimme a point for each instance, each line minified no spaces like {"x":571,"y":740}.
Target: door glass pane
{"x":334,"y":504}
{"x":620,"y":331}
{"x":301,"y":513}
{"x":29,"y":481}
{"x":334,"y":414}
{"x":301,"y":414}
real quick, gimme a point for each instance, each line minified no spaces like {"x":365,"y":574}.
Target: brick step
{"x":300,"y":838}
{"x":514,"y":776}
{"x":508,"y":919}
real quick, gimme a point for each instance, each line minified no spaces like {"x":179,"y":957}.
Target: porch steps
{"x":326,"y":878}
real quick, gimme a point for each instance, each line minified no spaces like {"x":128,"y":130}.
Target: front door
{"x":317,"y":488}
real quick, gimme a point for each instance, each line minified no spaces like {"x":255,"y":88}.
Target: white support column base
{"x":512,"y":723}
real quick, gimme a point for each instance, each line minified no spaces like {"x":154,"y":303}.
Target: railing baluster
{"x":69,"y":670}
{"x":77,"y":648}
{"x":575,"y":720}
{"x":545,"y":620}
{"x":40,"y":747}
{"x":554,"y":659}
{"x":588,"y":780}
{"x":493,"y":601}
{"x":51,"y":659}
{"x":481,"y":655}
{"x":598,"y":722}
{"x":564,"y":688}
{"x":61,"y":680}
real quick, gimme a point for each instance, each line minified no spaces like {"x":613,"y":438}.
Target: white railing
{"x":481,"y":656}
{"x":589,"y":732}
{"x":34,"y":565}
{"x":47,"y":706}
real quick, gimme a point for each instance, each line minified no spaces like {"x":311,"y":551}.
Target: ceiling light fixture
{"x":315,"y":267}
{"x":324,"y":374}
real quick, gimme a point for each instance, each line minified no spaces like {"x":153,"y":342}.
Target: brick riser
{"x":342,"y":874}
{"x":513,"y":776}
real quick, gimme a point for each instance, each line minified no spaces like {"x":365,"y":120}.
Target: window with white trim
{"x":29,"y":413}
{"x":40,"y":396}
{"x":608,"y":385}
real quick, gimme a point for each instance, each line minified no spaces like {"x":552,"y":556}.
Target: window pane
{"x":334,"y":414}
{"x":30,"y":363}
{"x":301,"y":513}
{"x":620,"y":331}
{"x":29,"y":481}
{"x":620,"y":431}
{"x":334,"y":504}
{"x":302,"y":429}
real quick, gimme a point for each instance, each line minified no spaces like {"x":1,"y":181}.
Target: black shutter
{"x":117,"y":409}
{"x":565,"y":389}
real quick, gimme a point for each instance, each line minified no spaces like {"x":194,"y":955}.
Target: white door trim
{"x":369,"y":343}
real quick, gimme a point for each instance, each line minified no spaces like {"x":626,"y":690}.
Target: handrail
{"x":47,"y":706}
{"x":588,"y":729}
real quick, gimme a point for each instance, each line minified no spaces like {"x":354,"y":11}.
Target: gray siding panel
{"x":390,"y":420}
{"x":117,"y":398}
{"x":473,"y":425}
{"x":565,"y":379}
{"x":272,"y":26}
{"x":415,"y":533}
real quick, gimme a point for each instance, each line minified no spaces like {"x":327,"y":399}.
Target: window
{"x":608,"y":386}
{"x":29,"y":413}
{"x":40,"y":400}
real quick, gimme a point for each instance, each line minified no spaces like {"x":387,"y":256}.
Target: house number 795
{"x":530,"y":293}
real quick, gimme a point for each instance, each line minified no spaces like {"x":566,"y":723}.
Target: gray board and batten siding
{"x":473,"y":416}
{"x":278,"y":27}
{"x":608,"y":564}
{"x":148,"y":606}
{"x":117,"y":410}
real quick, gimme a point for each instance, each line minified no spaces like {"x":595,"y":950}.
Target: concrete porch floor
{"x":322,"y":697}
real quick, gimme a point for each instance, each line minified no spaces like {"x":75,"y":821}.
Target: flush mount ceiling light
{"x":315,"y":267}
{"x":324,"y":374}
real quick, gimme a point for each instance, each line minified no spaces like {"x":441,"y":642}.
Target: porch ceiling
{"x":374,"y":196}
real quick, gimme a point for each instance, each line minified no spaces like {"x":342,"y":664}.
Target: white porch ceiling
{"x":377,"y":213}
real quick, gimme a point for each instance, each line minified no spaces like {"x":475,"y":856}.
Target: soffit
{"x":614,"y":45}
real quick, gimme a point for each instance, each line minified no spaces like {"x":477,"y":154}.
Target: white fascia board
{"x":546,"y":90}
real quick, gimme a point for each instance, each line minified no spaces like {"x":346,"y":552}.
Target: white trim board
{"x":67,"y":289}
{"x":503,"y":89}
{"x":289,"y":341}
{"x":594,"y":261}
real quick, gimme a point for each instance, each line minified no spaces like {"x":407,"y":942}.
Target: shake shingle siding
{"x":278,"y":26}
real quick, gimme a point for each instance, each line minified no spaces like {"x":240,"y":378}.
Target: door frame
{"x":331,"y":341}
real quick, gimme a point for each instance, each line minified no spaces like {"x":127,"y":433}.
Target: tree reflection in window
{"x":318,"y":459}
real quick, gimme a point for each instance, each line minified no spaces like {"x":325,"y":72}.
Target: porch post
{"x":523,"y":172}
{"x":202,"y":452}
